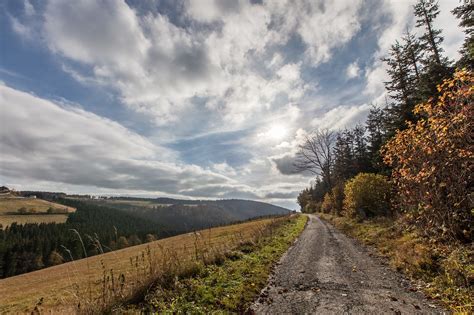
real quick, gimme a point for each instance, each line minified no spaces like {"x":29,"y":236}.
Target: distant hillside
{"x":185,"y":215}
{"x":22,"y":210}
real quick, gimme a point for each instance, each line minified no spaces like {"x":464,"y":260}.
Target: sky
{"x":205,"y":99}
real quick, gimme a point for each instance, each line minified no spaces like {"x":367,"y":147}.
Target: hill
{"x":185,"y":215}
{"x":31,"y":210}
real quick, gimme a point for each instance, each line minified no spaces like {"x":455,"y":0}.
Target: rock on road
{"x":325,"y":272}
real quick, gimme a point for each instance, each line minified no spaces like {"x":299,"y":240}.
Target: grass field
{"x":91,"y":281}
{"x":8,"y":219}
{"x":10,"y":206}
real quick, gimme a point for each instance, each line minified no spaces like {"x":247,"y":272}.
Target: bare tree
{"x":315,"y":155}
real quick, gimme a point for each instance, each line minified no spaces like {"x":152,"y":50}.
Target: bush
{"x":337,"y":195}
{"x":432,"y":162}
{"x":312,"y":207}
{"x":367,"y":195}
{"x":333,"y":200}
{"x":327,"y":204}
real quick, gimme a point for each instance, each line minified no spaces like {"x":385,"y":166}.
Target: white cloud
{"x":29,"y":8}
{"x":342,"y":117}
{"x":353,"y":70}
{"x":61,"y":147}
{"x":43,"y":141}
{"x":158,"y":67}
{"x":21,"y":29}
{"x":328,"y":25}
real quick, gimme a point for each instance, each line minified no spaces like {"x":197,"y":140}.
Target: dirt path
{"x":326,"y":272}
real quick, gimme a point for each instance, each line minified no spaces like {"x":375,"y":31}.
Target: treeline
{"x":91,"y":230}
{"x":412,"y":157}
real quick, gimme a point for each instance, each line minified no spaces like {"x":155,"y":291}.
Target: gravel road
{"x":325,"y":272}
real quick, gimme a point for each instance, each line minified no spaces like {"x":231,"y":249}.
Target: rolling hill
{"x":185,"y":215}
{"x":22,"y":210}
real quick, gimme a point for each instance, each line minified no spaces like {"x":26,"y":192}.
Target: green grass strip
{"x":230,"y":286}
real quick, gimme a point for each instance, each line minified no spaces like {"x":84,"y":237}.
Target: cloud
{"x":328,"y":25}
{"x":67,"y":148}
{"x":224,"y":90}
{"x":286,"y":164}
{"x":342,"y":117}
{"x":282,"y":195}
{"x":159,"y":67}
{"x":43,"y":141}
{"x":353,"y":70}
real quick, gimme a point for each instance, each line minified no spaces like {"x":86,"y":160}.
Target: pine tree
{"x":436,"y":66}
{"x":361,"y":156}
{"x":426,"y":12}
{"x":414,"y":52}
{"x":401,"y":87}
{"x":377,"y":135}
{"x":343,"y":156}
{"x":465,"y":13}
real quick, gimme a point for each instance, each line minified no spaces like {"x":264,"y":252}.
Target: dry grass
{"x":39,"y":205}
{"x":103,"y":280}
{"x":9,"y":206}
{"x":8,"y":219}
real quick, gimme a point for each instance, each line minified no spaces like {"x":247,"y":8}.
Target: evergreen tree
{"x":376,"y":137}
{"x":465,"y":13}
{"x":343,"y":156}
{"x":436,"y":66}
{"x":426,"y":12}
{"x":361,"y":156}
{"x":400,"y":87}
{"x":414,"y":53}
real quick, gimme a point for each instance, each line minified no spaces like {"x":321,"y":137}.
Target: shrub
{"x":367,"y":195}
{"x":333,"y":200}
{"x":312,"y":207}
{"x":327,"y":204}
{"x":337,"y":195}
{"x":432,"y":162}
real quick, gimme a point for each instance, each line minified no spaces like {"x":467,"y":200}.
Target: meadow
{"x":36,"y":211}
{"x":8,"y":219}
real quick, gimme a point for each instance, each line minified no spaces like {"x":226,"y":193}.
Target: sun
{"x":277,"y":132}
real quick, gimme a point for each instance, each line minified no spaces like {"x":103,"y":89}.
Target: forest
{"x":89,"y":231}
{"x":412,"y":159}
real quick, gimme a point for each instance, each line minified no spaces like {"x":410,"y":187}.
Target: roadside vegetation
{"x":112,"y":280}
{"x":230,"y":282}
{"x":403,"y":181}
{"x":442,"y":271}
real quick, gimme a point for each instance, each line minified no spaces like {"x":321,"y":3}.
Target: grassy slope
{"x":444,"y":272}
{"x":229,"y":285}
{"x":8,"y":219}
{"x":11,"y":205}
{"x":61,"y":287}
{"x":41,"y":206}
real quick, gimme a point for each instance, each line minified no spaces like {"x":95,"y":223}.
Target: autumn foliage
{"x":432,"y":161}
{"x":367,"y":195}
